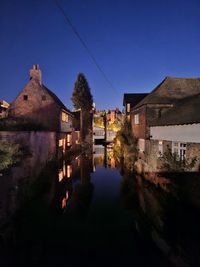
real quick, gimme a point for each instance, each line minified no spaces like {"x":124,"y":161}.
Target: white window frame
{"x":136,"y":119}
{"x":128,"y":107}
{"x":179,"y":149}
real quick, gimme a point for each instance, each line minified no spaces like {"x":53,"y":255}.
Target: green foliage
{"x":172,"y":162}
{"x":115,"y":126}
{"x":11,"y":153}
{"x":125,"y":145}
{"x":82,"y":97}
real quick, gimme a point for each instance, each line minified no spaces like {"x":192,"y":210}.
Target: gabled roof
{"x":185,"y":111}
{"x":56,"y":99}
{"x":172,"y":89}
{"x":133,"y":99}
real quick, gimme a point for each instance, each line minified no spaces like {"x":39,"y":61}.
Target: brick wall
{"x":139,"y":130}
{"x":39,"y":107}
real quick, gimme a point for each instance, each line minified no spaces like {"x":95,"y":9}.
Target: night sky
{"x":137,"y":43}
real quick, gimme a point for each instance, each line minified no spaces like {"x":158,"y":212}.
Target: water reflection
{"x":91,"y":206}
{"x":164,"y":216}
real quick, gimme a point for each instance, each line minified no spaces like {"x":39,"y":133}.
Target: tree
{"x":82,"y":99}
{"x":125,"y":145}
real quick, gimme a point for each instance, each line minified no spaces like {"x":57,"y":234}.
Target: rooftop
{"x":172,"y":89}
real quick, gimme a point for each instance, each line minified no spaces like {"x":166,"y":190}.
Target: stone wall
{"x":42,"y":145}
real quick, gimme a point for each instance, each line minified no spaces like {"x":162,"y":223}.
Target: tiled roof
{"x":172,"y":89}
{"x":185,"y":111}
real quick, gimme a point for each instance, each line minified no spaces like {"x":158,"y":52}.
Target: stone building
{"x":167,"y":101}
{"x":38,"y":105}
{"x":114,"y":115}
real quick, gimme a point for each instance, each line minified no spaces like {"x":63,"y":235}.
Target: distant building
{"x":114,"y":115}
{"x":173,"y":102}
{"x":3,"y":108}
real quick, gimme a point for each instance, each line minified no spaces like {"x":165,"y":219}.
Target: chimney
{"x":35,"y":73}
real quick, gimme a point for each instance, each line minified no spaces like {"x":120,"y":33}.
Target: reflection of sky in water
{"x":106,"y":182}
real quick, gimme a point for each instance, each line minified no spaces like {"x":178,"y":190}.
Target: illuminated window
{"x":136,"y":118}
{"x":65,"y":117}
{"x":128,"y":107}
{"x":160,"y":148}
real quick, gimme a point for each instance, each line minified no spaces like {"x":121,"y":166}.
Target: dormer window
{"x":25,"y":97}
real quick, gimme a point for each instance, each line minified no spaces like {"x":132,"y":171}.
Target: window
{"x":179,"y":149}
{"x":25,"y":97}
{"x":128,"y":107}
{"x":136,"y":119}
{"x":44,"y":97}
{"x":65,"y":117}
{"x":160,"y":148}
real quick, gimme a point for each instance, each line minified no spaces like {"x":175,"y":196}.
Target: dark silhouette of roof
{"x":185,"y":111}
{"x":133,"y":99}
{"x":172,"y":89}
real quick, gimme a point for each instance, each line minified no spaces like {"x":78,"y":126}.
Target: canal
{"x":89,"y":211}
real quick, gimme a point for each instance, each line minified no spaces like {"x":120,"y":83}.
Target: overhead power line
{"x":67,"y":19}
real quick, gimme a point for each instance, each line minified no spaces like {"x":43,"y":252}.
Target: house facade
{"x":161,"y":116}
{"x":38,"y":105}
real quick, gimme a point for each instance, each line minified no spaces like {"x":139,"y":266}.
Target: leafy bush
{"x":11,"y":153}
{"x":125,"y":145}
{"x":172,"y":162}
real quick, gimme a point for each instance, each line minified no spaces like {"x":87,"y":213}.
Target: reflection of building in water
{"x":16,"y":181}
{"x":99,"y":134}
{"x":103,"y":156}
{"x":65,"y":171}
{"x":65,"y":200}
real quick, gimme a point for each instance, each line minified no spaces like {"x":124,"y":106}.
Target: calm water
{"x":89,"y":212}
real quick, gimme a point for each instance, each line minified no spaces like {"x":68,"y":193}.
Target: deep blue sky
{"x":136,"y":42}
